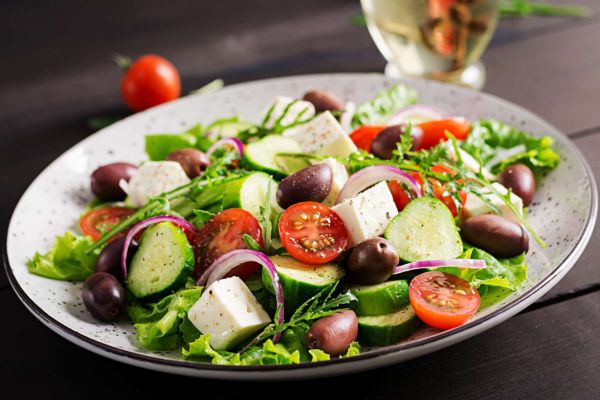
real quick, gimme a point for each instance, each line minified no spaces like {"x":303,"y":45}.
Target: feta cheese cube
{"x":154,"y":178}
{"x":228,"y":312}
{"x":476,"y":206}
{"x":340,"y":176}
{"x":367,"y":214}
{"x":469,"y":161}
{"x":286,"y":111}
{"x":323,"y":135}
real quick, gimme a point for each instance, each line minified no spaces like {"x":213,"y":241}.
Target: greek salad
{"x":325,"y":229}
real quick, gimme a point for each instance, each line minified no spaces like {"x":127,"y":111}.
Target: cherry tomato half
{"x":223,"y":233}
{"x":434,"y":132}
{"x":312,"y":233}
{"x":99,"y":220}
{"x":149,"y":81}
{"x":399,"y":194}
{"x":364,"y":135}
{"x":441,"y":300}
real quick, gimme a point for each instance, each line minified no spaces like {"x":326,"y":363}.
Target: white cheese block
{"x":287,"y":111}
{"x":469,"y":161}
{"x":228,"y":312}
{"x":367,"y":214}
{"x":154,"y":178}
{"x":476,"y":206}
{"x":323,"y":135}
{"x":340,"y":176}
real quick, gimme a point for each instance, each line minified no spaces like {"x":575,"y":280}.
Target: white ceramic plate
{"x":564,"y":212}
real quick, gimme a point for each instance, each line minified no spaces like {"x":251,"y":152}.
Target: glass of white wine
{"x":433,"y":39}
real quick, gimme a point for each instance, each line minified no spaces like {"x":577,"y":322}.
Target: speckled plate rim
{"x":373,"y":359}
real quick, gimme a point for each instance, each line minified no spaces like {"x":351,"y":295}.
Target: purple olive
{"x":103,"y":296}
{"x":386,"y":141}
{"x":109,"y":259}
{"x":323,"y":101}
{"x":105,"y":180}
{"x":371,"y":262}
{"x":497,"y":235}
{"x":334,"y":333}
{"x":520,"y":179}
{"x":192,"y":161}
{"x":309,"y":184}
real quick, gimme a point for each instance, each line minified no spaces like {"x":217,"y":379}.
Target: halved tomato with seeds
{"x":100,"y":220}
{"x":312,"y":232}
{"x":441,"y":300}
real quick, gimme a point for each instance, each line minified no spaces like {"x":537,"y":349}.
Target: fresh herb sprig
{"x":524,"y":8}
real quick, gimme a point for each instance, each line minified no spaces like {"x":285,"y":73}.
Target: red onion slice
{"x":228,"y":261}
{"x":371,"y":175}
{"x":239,"y":146}
{"x":417,"y":113}
{"x":456,"y":262}
{"x":187,"y":227}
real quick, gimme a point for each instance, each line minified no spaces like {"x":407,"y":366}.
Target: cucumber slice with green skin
{"x":383,"y":330}
{"x":228,"y":127}
{"x":162,"y":264}
{"x":383,"y":298}
{"x":424,"y":230}
{"x":250,"y":193}
{"x":301,"y":281}
{"x":261,"y":155}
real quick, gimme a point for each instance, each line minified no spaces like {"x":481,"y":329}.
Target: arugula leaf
{"x":523,"y":8}
{"x":251,"y":243}
{"x":201,"y":217}
{"x":381,"y":107}
{"x":264,"y":219}
{"x":68,"y":259}
{"x":164,"y":325}
{"x":487,"y":137}
{"x":159,"y":146}
{"x":508,"y":273}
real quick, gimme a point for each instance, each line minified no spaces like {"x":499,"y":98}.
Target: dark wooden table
{"x":57,"y":73}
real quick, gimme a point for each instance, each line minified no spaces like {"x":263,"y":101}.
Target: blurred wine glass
{"x":433,"y":39}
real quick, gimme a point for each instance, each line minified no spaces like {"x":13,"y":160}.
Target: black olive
{"x":103,"y":296}
{"x":520,"y":179}
{"x":497,"y":235}
{"x":333,"y":334}
{"x":105,"y":180}
{"x":371,"y":262}
{"x":386,"y":141}
{"x":323,"y":101}
{"x":192,"y":161}
{"x":309,"y":184}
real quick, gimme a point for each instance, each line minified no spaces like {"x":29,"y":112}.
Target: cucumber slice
{"x":250,"y":193}
{"x":301,"y":281}
{"x":383,"y":298}
{"x":162,"y":264}
{"x":383,"y":330}
{"x":261,"y":155}
{"x":228,"y":127}
{"x":424,"y":230}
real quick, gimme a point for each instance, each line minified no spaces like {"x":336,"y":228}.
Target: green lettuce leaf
{"x":507,"y":273}
{"x":159,"y":146}
{"x":164,"y":325}
{"x":487,"y":137}
{"x":318,"y":355}
{"x":267,"y":354}
{"x":353,"y":350}
{"x":66,"y":260}
{"x":381,"y":107}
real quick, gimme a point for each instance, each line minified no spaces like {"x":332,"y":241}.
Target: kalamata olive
{"x":334,"y":333}
{"x":109,"y":259}
{"x":105,"y":180}
{"x":371,"y":262}
{"x":323,"y":101}
{"x":520,"y":179}
{"x":192,"y":161}
{"x":495,"y":234}
{"x":103,"y":296}
{"x":386,"y":141}
{"x":309,"y":184}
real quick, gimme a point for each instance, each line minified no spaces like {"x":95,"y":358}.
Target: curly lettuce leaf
{"x":381,"y":107}
{"x":164,"y":325}
{"x":506,"y":273}
{"x":488,"y":137}
{"x":159,"y":146}
{"x":353,"y":350}
{"x":67,"y":259}
{"x":267,"y":354}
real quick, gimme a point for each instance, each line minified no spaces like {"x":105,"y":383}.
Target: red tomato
{"x":99,"y":220}
{"x":312,"y":233}
{"x":401,"y":198}
{"x":441,"y":300}
{"x":434,"y":132}
{"x":364,"y":135}
{"x":443,"y":37}
{"x":439,"y":190}
{"x":223,"y":233}
{"x":439,"y":8}
{"x":149,"y":81}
